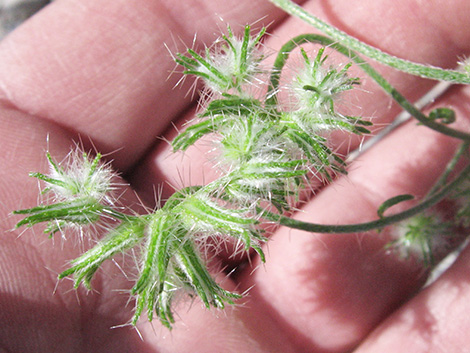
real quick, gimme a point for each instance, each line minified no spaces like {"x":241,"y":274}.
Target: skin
{"x":78,"y":73}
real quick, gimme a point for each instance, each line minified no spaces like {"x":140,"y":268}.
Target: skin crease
{"x":76,"y":71}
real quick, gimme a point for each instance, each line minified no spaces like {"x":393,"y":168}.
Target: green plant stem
{"x":463,"y":149}
{"x":369,"y":70}
{"x":371,"y":52}
{"x":376,"y":224}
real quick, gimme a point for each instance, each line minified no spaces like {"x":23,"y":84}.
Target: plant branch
{"x":376,"y":224}
{"x":371,"y":52}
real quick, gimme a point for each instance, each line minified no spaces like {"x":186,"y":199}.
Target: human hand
{"x":77,"y":71}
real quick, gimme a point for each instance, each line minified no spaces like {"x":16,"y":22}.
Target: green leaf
{"x":446,"y":115}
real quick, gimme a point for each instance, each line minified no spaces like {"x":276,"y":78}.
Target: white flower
{"x":229,"y":64}
{"x":317,"y":86}
{"x":422,"y":236}
{"x":80,"y":177}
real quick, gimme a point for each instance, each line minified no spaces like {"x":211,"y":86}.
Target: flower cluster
{"x":421,"y":236}
{"x":171,"y":259}
{"x":315,"y":89}
{"x":267,"y":154}
{"x":83,"y":192}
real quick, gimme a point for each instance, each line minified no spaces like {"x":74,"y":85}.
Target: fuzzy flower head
{"x":317,"y":86}
{"x":229,"y":64}
{"x":80,"y":177}
{"x":249,"y":137}
{"x":422,"y":236}
{"x":314,"y":90}
{"x":81,"y":192}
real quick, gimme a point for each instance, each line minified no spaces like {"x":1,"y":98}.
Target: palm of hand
{"x":315,"y":293}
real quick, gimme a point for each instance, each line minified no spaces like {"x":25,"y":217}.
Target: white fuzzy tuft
{"x":81,"y":176}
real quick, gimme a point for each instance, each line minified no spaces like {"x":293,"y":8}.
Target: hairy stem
{"x":371,"y":52}
{"x":376,"y":224}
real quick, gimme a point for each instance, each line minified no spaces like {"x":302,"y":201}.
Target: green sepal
{"x":162,"y":233}
{"x":125,"y":236}
{"x":156,"y":281}
{"x":317,"y":153}
{"x":220,"y":113}
{"x":194,"y":132}
{"x":202,"y":282}
{"x":80,"y":211}
{"x":233,"y":105}
{"x":207,"y":216}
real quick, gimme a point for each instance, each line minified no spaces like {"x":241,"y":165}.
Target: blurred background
{"x":13,"y":12}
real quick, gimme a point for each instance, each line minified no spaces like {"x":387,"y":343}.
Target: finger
{"x":345,"y":280}
{"x":97,"y":74}
{"x":101,"y":69}
{"x":164,"y":171}
{"x":436,"y":320}
{"x":86,"y":86}
{"x":348,"y":281}
{"x":42,"y":314}
{"x":239,"y":328}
